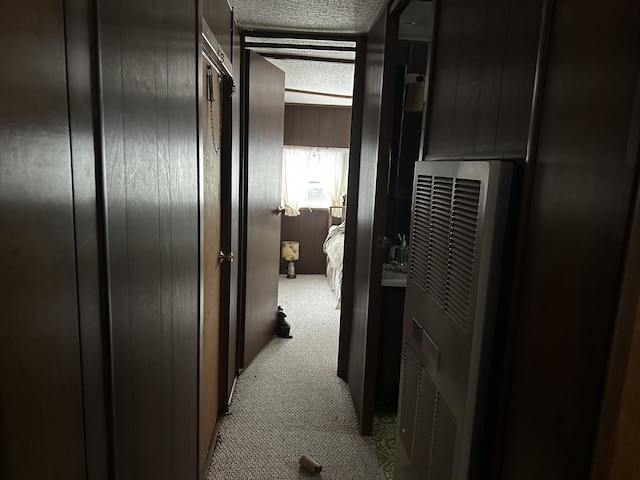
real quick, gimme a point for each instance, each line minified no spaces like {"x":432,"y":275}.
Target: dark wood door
{"x":265,"y":131}
{"x":371,"y":212}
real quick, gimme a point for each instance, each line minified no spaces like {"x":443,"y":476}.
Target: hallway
{"x":290,"y":402}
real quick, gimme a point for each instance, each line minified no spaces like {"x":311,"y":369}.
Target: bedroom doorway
{"x":315,"y":180}
{"x":319,"y":73}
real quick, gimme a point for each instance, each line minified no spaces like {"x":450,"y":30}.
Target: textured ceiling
{"x":320,"y":77}
{"x":326,"y":16}
{"x":333,"y":16}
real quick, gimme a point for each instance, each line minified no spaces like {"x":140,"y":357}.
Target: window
{"x":313,"y":178}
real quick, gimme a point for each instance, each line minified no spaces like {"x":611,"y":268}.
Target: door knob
{"x":279,"y":210}
{"x":228,"y":257}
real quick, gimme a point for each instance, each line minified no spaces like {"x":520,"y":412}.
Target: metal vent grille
{"x":444,"y":442}
{"x":445,"y":223}
{"x":462,"y":244}
{"x":439,"y":238}
{"x":418,"y":271}
{"x":425,"y":410}
{"x":409,"y":388}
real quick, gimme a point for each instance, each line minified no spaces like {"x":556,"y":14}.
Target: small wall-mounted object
{"x":290,"y":251}
{"x":414,"y":95}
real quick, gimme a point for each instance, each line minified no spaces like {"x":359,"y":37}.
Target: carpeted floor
{"x":289,"y":401}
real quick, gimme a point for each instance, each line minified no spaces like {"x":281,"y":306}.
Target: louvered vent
{"x":464,"y":224}
{"x":420,"y":233}
{"x":443,"y":241}
{"x":409,"y":391}
{"x":425,"y":410}
{"x":439,"y":238}
{"x":444,"y":442}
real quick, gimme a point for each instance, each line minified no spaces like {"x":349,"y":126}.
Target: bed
{"x":333,"y":246}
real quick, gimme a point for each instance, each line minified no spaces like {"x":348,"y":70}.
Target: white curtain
{"x":323,"y":171}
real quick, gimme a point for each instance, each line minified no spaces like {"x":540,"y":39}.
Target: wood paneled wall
{"x":149,"y":118}
{"x":377,"y":115}
{"x":310,"y":126}
{"x":585,"y":175}
{"x":41,"y":411}
{"x":309,"y":229}
{"x":317,"y":126}
{"x":483,"y":73}
{"x":219,"y":18}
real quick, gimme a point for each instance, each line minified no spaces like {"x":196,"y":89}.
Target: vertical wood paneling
{"x":309,"y":229}
{"x":517,"y":76}
{"x":580,"y":208}
{"x":493,"y":49}
{"x":311,"y":126}
{"x":483,"y":72}
{"x":469,"y":72}
{"x":217,"y":14}
{"x":41,"y":410}
{"x":149,"y":121}
{"x":326,"y":129}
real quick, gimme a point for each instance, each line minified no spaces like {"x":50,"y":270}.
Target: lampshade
{"x":290,"y":250}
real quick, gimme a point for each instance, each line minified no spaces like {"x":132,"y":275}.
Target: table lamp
{"x":291,"y":252}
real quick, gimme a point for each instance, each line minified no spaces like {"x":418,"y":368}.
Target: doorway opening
{"x":318,"y":90}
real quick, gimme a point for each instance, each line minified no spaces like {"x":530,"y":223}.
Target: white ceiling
{"x":332,"y":82}
{"x":331,"y":16}
{"x":323,"y":78}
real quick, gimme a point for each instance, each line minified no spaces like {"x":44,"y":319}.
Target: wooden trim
{"x":201,"y":43}
{"x":346,"y":311}
{"x":322,"y":94}
{"x":398,"y":6}
{"x":315,"y":105}
{"x":213,"y":443}
{"x":226,"y":186}
{"x":244,"y":83}
{"x":477,"y":157}
{"x":328,"y":48}
{"x":214,"y":51}
{"x":340,"y":37}
{"x":280,"y":56}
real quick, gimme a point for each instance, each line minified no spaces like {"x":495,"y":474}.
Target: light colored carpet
{"x":289,"y":401}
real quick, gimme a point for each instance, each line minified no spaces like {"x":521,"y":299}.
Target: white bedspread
{"x":333,"y":246}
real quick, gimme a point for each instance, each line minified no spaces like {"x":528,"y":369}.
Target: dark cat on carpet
{"x":283,"y":328}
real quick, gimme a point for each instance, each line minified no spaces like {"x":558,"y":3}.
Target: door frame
{"x":220,"y":63}
{"x":365,"y":413}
